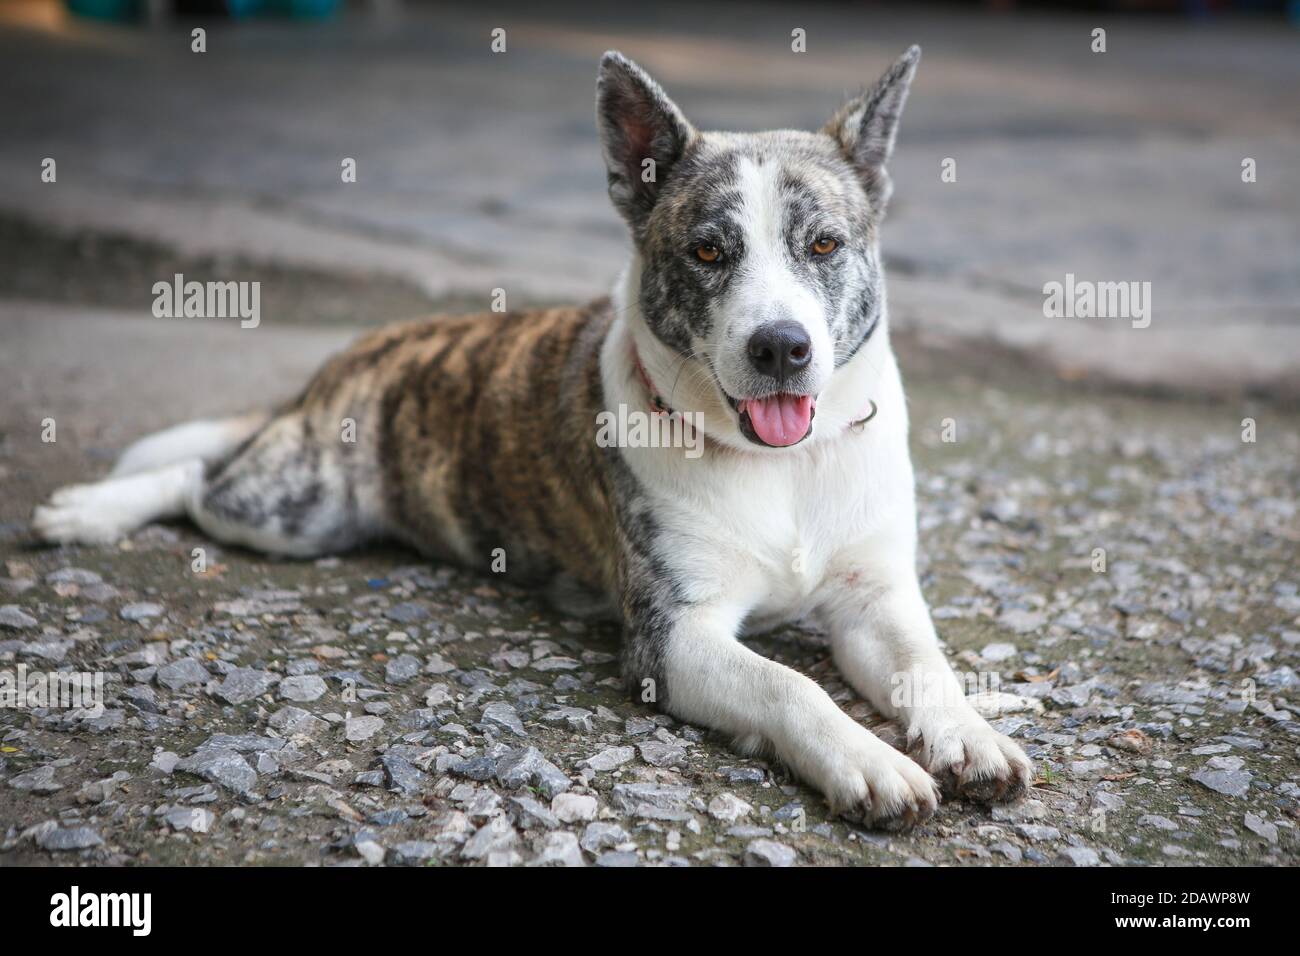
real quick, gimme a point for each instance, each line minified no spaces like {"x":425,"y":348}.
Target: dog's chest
{"x":767,"y":533}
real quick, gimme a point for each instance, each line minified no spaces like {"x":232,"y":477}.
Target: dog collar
{"x":861,"y":423}
{"x":657,"y":404}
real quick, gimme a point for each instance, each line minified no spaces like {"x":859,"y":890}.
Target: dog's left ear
{"x":642,"y":134}
{"x":865,"y":126}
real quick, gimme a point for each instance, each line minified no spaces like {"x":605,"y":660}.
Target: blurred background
{"x":479,"y":168}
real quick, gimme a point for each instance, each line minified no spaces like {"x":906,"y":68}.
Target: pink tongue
{"x":780,"y":419}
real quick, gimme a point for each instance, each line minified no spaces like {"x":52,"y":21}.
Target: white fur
{"x":104,"y":511}
{"x":206,"y":440}
{"x":828,"y":528}
{"x":158,"y":477}
{"x":766,"y":289}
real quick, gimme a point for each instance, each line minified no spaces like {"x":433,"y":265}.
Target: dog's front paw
{"x":970,"y":759}
{"x":869,"y":782}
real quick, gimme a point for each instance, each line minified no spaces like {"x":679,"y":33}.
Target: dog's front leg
{"x":703,"y":675}
{"x":885,"y":645}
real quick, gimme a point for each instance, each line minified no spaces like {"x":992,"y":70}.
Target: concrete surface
{"x":481,"y":170}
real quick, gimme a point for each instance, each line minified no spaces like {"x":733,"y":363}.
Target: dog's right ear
{"x":642,"y":134}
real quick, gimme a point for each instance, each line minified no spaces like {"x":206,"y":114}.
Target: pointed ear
{"x":638,"y":123}
{"x":865,"y":126}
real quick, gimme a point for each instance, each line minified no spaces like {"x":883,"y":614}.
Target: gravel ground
{"x":375,"y":709}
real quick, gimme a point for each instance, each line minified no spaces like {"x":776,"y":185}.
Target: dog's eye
{"x":708,"y":253}
{"x":824,"y":246}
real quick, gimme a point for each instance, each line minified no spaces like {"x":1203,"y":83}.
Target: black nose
{"x":780,"y":349}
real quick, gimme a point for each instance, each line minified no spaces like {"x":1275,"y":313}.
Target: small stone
{"x":1261,"y":827}
{"x":652,"y":801}
{"x":46,"y":650}
{"x":996,"y":653}
{"x":303,"y":688}
{"x":1078,"y":856}
{"x":599,"y":836}
{"x":401,"y":774}
{"x":1230,"y":783}
{"x":438,"y":665}
{"x":223,"y":767}
{"x":495,"y":836}
{"x":141,"y":611}
{"x":40,"y":780}
{"x":357,"y":729}
{"x":529,"y":813}
{"x":574,"y":807}
{"x":993,"y":704}
{"x":182,"y":673}
{"x":1157,"y":821}
{"x":658,"y":754}
{"x":1132,"y":741}
{"x":728,"y":808}
{"x":610,"y":759}
{"x":97,"y":791}
{"x":477,"y":768}
{"x":505,"y":716}
{"x":406,"y":613}
{"x":769,"y":853}
{"x":1009,"y":850}
{"x":573,"y":718}
{"x":1038,"y":832}
{"x":78,"y":576}
{"x":1067,"y":697}
{"x":14,"y":618}
{"x":75,"y":838}
{"x":243,"y":684}
{"x":559,"y":849}
{"x":370,"y":851}
{"x":194,"y":819}
{"x":1225,"y":763}
{"x":291,"y":721}
{"x":401,"y":669}
{"x":417,"y":851}
{"x":1021,"y":621}
{"x":165,"y":762}
{"x":527,"y":766}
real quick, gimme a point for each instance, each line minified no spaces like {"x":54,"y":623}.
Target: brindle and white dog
{"x":754,"y":298}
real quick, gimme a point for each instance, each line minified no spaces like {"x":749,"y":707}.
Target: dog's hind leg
{"x":287,"y":491}
{"x":207,"y":439}
{"x":295,"y":490}
{"x":152,"y":480}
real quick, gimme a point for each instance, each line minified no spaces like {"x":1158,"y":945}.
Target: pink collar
{"x":657,"y":404}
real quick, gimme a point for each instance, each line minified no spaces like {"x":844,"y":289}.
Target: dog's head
{"x":759,"y":266}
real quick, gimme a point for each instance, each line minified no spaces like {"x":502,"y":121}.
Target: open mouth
{"x":776,"y":420}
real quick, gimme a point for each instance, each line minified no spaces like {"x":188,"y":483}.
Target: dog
{"x":753,"y":313}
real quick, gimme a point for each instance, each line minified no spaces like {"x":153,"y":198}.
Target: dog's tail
{"x":209,"y":440}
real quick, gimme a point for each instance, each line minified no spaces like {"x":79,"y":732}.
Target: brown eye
{"x":708,"y":253}
{"x":824,"y":246}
